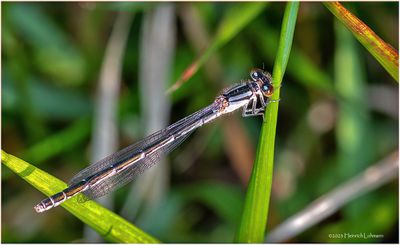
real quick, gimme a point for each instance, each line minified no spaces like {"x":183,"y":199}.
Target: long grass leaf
{"x":254,"y":217}
{"x":237,"y":17}
{"x":111,"y":226}
{"x":385,"y":54}
{"x":300,"y":66}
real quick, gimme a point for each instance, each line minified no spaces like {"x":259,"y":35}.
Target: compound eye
{"x":256,"y":74}
{"x":267,"y":90}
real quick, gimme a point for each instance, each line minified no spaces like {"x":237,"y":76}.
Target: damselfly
{"x":123,"y":166}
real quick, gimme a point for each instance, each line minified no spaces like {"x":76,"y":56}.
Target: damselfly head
{"x":264,"y":80}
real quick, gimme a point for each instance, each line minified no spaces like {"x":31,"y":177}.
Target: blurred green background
{"x":338,"y":114}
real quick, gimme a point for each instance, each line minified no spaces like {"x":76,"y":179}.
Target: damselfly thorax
{"x":252,"y":95}
{"x":123,"y":166}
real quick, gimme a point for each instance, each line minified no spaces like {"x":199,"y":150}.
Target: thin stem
{"x":254,"y":217}
{"x":373,"y":177}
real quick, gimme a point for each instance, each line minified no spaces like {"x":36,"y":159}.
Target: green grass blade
{"x":236,"y":18}
{"x":254,"y":218}
{"x":385,"y":54}
{"x":111,"y":226}
{"x":300,"y":65}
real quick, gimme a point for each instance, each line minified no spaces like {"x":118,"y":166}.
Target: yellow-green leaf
{"x":108,"y":224}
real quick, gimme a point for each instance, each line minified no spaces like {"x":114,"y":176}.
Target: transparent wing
{"x":117,"y":157}
{"x":116,"y":181}
{"x":132,"y":150}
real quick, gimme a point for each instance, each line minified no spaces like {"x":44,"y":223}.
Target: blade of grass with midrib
{"x":254,"y":217}
{"x":385,"y":54}
{"x":111,"y":226}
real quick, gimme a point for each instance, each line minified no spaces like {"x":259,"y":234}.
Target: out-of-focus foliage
{"x":338,"y":115}
{"x":235,"y":19}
